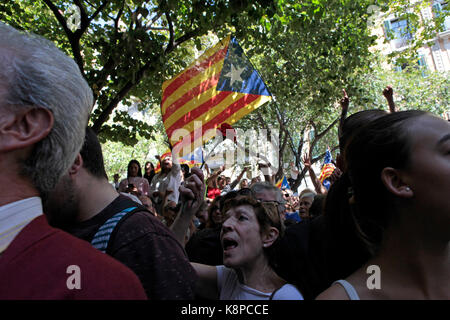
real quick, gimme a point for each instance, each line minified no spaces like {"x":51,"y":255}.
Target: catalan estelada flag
{"x":327,"y":170}
{"x":221,"y":86}
{"x":283,"y":183}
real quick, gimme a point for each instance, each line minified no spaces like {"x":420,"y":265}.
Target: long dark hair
{"x":385,"y":142}
{"x":139,"y":174}
{"x":355,"y":122}
{"x":215,"y":204}
{"x":345,"y":246}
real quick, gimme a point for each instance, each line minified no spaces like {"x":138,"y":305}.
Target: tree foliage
{"x":307,"y":54}
{"x":306,"y":51}
{"x":423,"y":21}
{"x":127,"y":48}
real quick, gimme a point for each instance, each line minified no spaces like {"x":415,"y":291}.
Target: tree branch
{"x":261,"y":120}
{"x":84,"y":18}
{"x":323,"y":154}
{"x":59,"y":17}
{"x":155,"y":18}
{"x":324,"y":132}
{"x":116,"y":20}
{"x":99,"y":9}
{"x":103,"y":117}
{"x":187,"y":36}
{"x":157,"y":28}
{"x":171,"y":38}
{"x":74,"y":39}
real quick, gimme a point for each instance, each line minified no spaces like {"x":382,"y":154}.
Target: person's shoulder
{"x":106,"y":277}
{"x":141,"y":219}
{"x":288,"y":292}
{"x":335,"y":292}
{"x":142,"y":226}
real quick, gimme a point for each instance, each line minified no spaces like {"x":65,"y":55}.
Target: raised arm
{"x":235,"y":182}
{"x":265,"y":170}
{"x":320,"y":189}
{"x":388,"y":93}
{"x":213,"y":177}
{"x":344,"y":102}
{"x":191,"y":199}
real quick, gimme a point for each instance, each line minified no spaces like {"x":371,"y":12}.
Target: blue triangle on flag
{"x":238,"y":74}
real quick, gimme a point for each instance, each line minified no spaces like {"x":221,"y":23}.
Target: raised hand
{"x":388,"y":92}
{"x":345,"y":101}
{"x":192,"y":192}
{"x":306,"y":161}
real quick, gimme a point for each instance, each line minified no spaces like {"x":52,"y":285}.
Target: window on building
{"x":398,"y":31}
{"x":421,"y":64}
{"x":442,"y":8}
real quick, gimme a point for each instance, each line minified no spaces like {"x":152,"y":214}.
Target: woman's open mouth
{"x":228,"y":245}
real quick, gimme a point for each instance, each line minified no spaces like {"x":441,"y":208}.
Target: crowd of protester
{"x":192,"y":233}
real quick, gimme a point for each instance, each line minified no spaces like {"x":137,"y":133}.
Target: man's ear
{"x":394,"y":182}
{"x":76,"y":166}
{"x":23,"y":129}
{"x":270,"y":236}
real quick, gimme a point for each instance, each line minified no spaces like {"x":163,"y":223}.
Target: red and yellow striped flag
{"x":220,"y":87}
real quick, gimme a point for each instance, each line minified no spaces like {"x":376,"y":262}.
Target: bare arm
{"x":213,"y":178}
{"x":206,"y":285}
{"x":388,"y":93}
{"x":345,"y":101}
{"x":191,"y":198}
{"x":265,"y":170}
{"x":235,"y":182}
{"x":320,"y":189}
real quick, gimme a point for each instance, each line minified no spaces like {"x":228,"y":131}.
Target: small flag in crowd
{"x":220,"y":87}
{"x":283,"y":183}
{"x":327,"y":170}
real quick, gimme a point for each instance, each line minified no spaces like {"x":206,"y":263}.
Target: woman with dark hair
{"x":399,"y":175}
{"x":149,"y":171}
{"x":250,"y":235}
{"x":337,"y":234}
{"x":215,"y":214}
{"x":134,"y":183}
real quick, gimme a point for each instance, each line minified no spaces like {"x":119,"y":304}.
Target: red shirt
{"x":213,"y":192}
{"x":35,"y":266}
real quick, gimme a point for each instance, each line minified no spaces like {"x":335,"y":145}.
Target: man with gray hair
{"x":44,"y":107}
{"x":266,"y":192}
{"x":306,"y":199}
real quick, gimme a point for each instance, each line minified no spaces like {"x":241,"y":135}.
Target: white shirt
{"x":294,"y":173}
{"x":231,"y":289}
{"x":171,"y":180}
{"x":15,"y":216}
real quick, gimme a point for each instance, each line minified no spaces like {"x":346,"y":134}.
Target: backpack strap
{"x":101,"y":238}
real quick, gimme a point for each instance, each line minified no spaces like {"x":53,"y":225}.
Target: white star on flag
{"x":235,"y":75}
